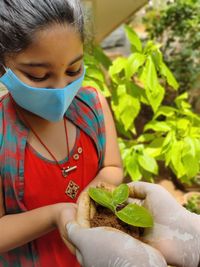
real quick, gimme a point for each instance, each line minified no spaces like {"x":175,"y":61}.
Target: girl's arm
{"x":19,"y":229}
{"x":112,"y":171}
{"x":1,"y":199}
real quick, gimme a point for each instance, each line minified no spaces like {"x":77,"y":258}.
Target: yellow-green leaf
{"x":135,"y":215}
{"x":120,"y":194}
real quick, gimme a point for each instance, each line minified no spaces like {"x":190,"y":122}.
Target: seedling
{"x":116,"y":201}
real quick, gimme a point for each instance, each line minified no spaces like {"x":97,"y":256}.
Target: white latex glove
{"x":105,"y":247}
{"x":176,"y":231}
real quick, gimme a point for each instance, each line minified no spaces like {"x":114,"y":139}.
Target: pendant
{"x":65,"y":171}
{"x":72,"y":189}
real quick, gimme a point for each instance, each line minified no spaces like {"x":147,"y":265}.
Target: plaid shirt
{"x":85,"y":112}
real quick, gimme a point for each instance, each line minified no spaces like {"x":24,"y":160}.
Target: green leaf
{"x":118,"y":65}
{"x":154,"y":91}
{"x":132,"y":165}
{"x":176,"y":152}
{"x":98,"y":85}
{"x":155,"y":97}
{"x":180,"y":99}
{"x":197,"y":147}
{"x":102,"y":197}
{"x":135,"y":215}
{"x":145,"y":138}
{"x":148,"y":163}
{"x":100,"y":56}
{"x":157,"y":57}
{"x":95,"y":73}
{"x":154,"y":149}
{"x":126,"y":107}
{"x":183,"y":124}
{"x":157,"y":126}
{"x":120,"y":194}
{"x":165,"y":111}
{"x":168,"y":142}
{"x":165,"y":71}
{"x":135,"y":61}
{"x":149,"y":75}
{"x":130,"y":112}
{"x":191,"y":165}
{"x":133,"y":38}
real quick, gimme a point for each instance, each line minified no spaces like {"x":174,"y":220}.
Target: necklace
{"x":64,"y":170}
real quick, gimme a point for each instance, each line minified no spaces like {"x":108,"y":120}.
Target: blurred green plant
{"x":193,"y":204}
{"x":94,"y":64}
{"x":137,"y":80}
{"x":175,"y":138}
{"x":177,"y":28}
{"x":172,"y":133}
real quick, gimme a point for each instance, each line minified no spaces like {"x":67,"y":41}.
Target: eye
{"x":36,"y":79}
{"x":74,"y":73}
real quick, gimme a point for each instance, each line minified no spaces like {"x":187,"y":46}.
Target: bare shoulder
{"x":103,"y":101}
{"x":2,"y":212}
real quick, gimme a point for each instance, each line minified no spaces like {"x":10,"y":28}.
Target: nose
{"x":60,"y":82}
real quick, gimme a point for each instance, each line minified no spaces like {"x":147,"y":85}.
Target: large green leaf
{"x":168,"y":142}
{"x":135,"y":61}
{"x":135,"y":215}
{"x":133,"y":38}
{"x":197,"y":147}
{"x":191,"y":165}
{"x":98,"y":85}
{"x":148,"y":163}
{"x":149,"y":75}
{"x":95,"y":73}
{"x":157,"y":126}
{"x":118,"y":65}
{"x":120,"y":194}
{"x":183,"y":125}
{"x":102,"y":197}
{"x":126,"y":107}
{"x":130,"y":112}
{"x":166,"y":111}
{"x":180,"y":99}
{"x":157,"y":56}
{"x":176,"y":152}
{"x":165,"y":71}
{"x":189,"y":146}
{"x":155,"y":97}
{"x":149,"y":78}
{"x":145,"y":138}
{"x":154,"y":149}
{"x":100,"y":55}
{"x":132,"y":165}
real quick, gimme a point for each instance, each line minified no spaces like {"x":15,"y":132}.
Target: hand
{"x":106,"y":247}
{"x":65,"y":212}
{"x":176,"y":231}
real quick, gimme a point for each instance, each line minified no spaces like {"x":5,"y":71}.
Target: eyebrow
{"x":46,"y":64}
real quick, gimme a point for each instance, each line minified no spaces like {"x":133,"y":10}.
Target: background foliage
{"x":170,"y":133}
{"x":177,"y":27}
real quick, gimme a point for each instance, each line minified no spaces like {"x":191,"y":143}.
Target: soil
{"x":105,"y":217}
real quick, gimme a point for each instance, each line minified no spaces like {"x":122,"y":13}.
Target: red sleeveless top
{"x":45,"y":185}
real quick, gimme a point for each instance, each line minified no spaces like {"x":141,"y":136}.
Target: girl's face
{"x":53,"y":60}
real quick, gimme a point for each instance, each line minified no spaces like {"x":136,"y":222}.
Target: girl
{"x":56,"y":137}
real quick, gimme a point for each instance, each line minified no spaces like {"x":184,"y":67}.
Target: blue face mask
{"x":50,"y":104}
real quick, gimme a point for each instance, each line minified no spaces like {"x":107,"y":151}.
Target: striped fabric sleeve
{"x":87,"y":113}
{"x":1,"y":122}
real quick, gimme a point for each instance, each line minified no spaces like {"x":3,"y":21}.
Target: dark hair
{"x":20,"y":19}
